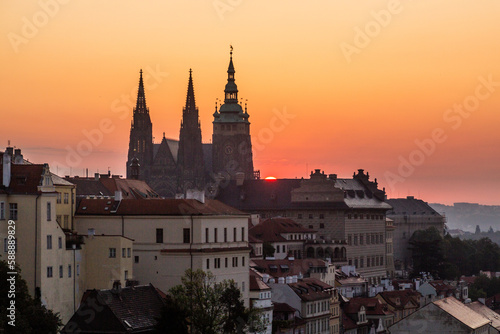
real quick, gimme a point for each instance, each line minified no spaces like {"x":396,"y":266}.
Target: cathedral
{"x":172,"y":167}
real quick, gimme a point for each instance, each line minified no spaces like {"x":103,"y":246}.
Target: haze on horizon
{"x":406,"y":90}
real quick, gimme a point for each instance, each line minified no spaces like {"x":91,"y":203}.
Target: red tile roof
{"x":309,"y":289}
{"x":373,"y":306}
{"x":25,"y":179}
{"x":163,"y":207}
{"x":407,"y":298}
{"x":285,"y":267}
{"x":270,"y":230}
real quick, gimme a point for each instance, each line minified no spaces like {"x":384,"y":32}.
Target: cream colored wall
{"x":165,"y":269}
{"x":68,"y":209}
{"x":101,"y":270}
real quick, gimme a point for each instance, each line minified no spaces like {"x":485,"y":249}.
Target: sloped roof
{"x":154,"y":206}
{"x":256,"y":283}
{"x":410,"y":206}
{"x":358,"y":196}
{"x":309,"y":289}
{"x":461,"y":312}
{"x":25,"y":178}
{"x":441,"y":287}
{"x":407,"y":298}
{"x":286,"y":267}
{"x":86,"y":186}
{"x":373,"y":306}
{"x":486,"y":312}
{"x":283,"y":308}
{"x":133,"y":309}
{"x":270,"y":230}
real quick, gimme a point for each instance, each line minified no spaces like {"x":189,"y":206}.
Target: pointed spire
{"x":231,"y":90}
{"x":231,"y":66}
{"x":190,"y":102}
{"x":141,"y":97}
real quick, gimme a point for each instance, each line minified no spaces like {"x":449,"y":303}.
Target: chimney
{"x":196,"y":194}
{"x":117,"y":287}
{"x":6,"y":168}
{"x":96,"y":176}
{"x":18,"y":157}
{"x":118,"y":195}
{"x":281,"y":280}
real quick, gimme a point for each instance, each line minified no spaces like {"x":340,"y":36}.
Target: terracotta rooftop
{"x":154,"y":207}
{"x":286,"y":267}
{"x":401,"y":299}
{"x":373,"y":306}
{"x":25,"y":179}
{"x":271,"y":230}
{"x":106,"y":185}
{"x":309,"y":289}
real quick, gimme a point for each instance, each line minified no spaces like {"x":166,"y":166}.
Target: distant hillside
{"x":466,"y":216}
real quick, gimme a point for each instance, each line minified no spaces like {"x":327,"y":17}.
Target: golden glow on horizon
{"x":82,"y":67}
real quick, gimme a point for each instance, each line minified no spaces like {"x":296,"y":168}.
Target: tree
{"x":478,"y":230}
{"x":209,"y":307}
{"x":31,"y":316}
{"x":427,"y":251}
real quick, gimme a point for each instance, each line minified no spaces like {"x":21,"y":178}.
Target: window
{"x":361,"y":262}
{"x":129,"y":252}
{"x":234,"y":235}
{"x":49,"y":242}
{"x":58,"y":219}
{"x":215,"y":234}
{"x":60,"y":271}
{"x":349,"y":240}
{"x":235,"y":261}
{"x":159,"y":235}
{"x":310,"y":216}
{"x":136,"y":259}
{"x":225,"y":261}
{"x":367,"y":239}
{"x":124,"y":252}
{"x":243,"y":261}
{"x":277,"y":248}
{"x":72,"y":198}
{"x":59,"y":242}
{"x":208,"y":263}
{"x":66,"y":198}
{"x":66,"y":221}
{"x":78,"y":270}
{"x":58,"y":200}
{"x":321,"y":216}
{"x":126,"y":275}
{"x":361,"y":239}
{"x":112,"y":252}
{"x":2,"y":210}
{"x":13,"y":211}
{"x":207,"y":236}
{"x":311,"y":227}
{"x":225,"y":234}
{"x":69,"y":270}
{"x":299,"y":216}
{"x":321,"y":225}
{"x":186,"y":235}
{"x":217,"y":262}
{"x":49,"y":211}
{"x":243,"y":286}
{"x":49,"y":272}
{"x":242,"y":234}
{"x":381,"y":260}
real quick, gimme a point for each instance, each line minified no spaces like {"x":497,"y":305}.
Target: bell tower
{"x":232,"y":145}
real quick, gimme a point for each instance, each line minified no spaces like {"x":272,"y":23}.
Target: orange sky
{"x":364,"y":80}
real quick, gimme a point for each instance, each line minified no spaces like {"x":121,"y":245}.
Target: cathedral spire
{"x":231,"y":90}
{"x":141,"y":98}
{"x":190,"y":102}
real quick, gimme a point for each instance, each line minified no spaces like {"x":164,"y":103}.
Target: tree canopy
{"x":207,"y":306}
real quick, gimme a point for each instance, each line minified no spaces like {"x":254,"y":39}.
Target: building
{"x":173,"y":235}
{"x":389,"y":246}
{"x":260,"y":298}
{"x":409,"y":215}
{"x":285,"y":235}
{"x":435,"y":290}
{"x":368,"y":313}
{"x":286,"y":319}
{"x":118,"y":310}
{"x":348,"y":215}
{"x":171,"y":167}
{"x":400,"y":302}
{"x":311,"y":298}
{"x":65,"y":202}
{"x":50,"y":262}
{"x":443,"y":316}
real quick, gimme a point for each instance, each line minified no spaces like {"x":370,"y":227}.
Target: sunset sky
{"x":407,"y":90}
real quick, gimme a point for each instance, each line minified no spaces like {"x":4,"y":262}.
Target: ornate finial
{"x":246,"y":101}
{"x":190,"y":71}
{"x":163,"y":134}
{"x":216,"y":99}
{"x":231,"y":48}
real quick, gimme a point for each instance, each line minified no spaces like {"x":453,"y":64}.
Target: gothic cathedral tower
{"x":141,"y":137}
{"x":191,"y":168}
{"x":232,"y":146}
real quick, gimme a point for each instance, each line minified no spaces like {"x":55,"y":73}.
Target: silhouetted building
{"x":172,"y":167}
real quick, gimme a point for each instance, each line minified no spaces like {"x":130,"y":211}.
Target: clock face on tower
{"x":228,"y":149}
